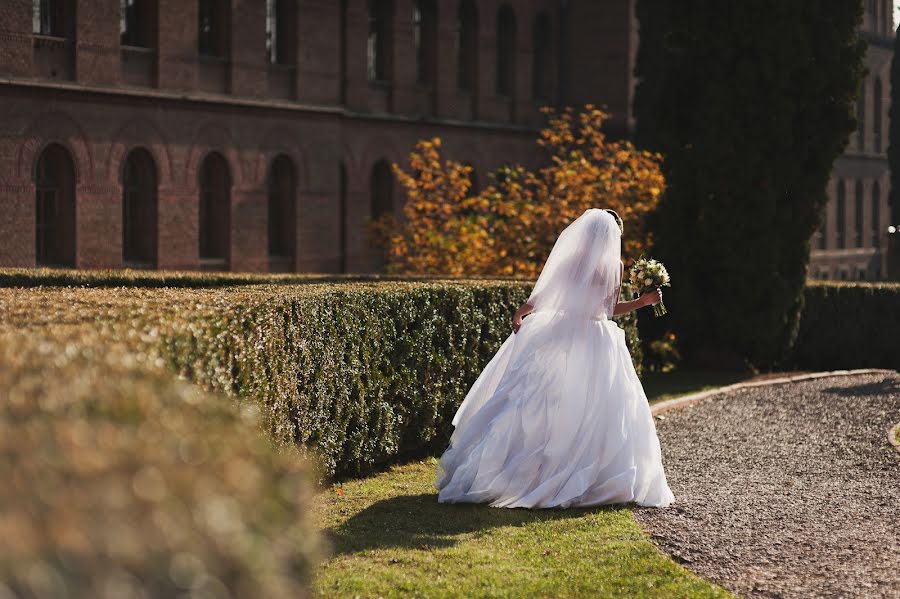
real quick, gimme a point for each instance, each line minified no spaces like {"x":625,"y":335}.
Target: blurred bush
{"x":120,"y":481}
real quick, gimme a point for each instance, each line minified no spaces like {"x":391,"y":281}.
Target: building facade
{"x":852,"y":243}
{"x":258,"y":134}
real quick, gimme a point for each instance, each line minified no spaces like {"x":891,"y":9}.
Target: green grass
{"x":391,"y":538}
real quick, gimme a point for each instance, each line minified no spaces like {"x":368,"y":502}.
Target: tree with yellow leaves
{"x":509,"y":228}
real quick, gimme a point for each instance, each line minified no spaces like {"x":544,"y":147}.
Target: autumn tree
{"x":508,"y":228}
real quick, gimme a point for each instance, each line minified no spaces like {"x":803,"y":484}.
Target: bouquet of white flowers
{"x":647,"y":275}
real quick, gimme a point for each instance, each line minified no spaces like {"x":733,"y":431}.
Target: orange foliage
{"x":509,"y":228}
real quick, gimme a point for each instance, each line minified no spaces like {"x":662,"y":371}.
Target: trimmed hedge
{"x":360,"y":371}
{"x":849,"y":325}
{"x":120,"y":481}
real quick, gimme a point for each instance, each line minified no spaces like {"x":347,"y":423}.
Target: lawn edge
{"x":693,"y":398}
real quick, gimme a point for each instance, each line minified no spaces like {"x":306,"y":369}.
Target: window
{"x":281,"y":31}
{"x":467,"y":46}
{"x":542,"y":57}
{"x":215,"y":209}
{"x":212,"y":23}
{"x":50,"y":18}
{"x":54,"y":181}
{"x":840,"y":227}
{"x":876,"y":215}
{"x":876,"y":116}
{"x":379,"y":46}
{"x":382,"y":189}
{"x":861,"y":118}
{"x":139,"y":209}
{"x":858,"y":216}
{"x":425,"y":34}
{"x":137,"y":23}
{"x":506,"y":51}
{"x":282,"y":208}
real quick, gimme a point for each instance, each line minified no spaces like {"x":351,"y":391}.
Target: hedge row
{"x":849,"y":325}
{"x":119,"y":480}
{"x":360,"y":371}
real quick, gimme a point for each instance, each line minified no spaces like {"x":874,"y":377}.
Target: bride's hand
{"x":516,"y":323}
{"x":651,"y":298}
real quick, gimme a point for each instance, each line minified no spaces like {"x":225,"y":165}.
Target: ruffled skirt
{"x":558,"y":418}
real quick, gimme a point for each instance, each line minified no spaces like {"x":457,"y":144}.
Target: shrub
{"x":359,"y":371}
{"x":119,"y":481}
{"x":849,"y":325}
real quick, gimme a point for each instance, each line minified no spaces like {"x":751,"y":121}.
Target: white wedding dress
{"x":558,"y":417}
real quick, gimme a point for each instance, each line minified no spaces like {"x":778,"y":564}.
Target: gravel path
{"x":786,"y":491}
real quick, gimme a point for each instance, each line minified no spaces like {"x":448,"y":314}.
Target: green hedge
{"x":849,"y":325}
{"x":360,"y":371}
{"x":121,"y":481}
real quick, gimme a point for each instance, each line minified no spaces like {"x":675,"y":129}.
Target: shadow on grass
{"x":889,"y":386}
{"x":681,"y":382}
{"x":420,"y":522}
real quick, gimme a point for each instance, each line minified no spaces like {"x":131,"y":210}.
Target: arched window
{"x":282,"y":210}
{"x":858,"y":216}
{"x":382,"y":189}
{"x":542,"y":57}
{"x":137,"y":23}
{"x":342,"y":216}
{"x":52,"y":18}
{"x":861,"y":118}
{"x":876,"y":116}
{"x":467,"y":46}
{"x":281,"y":31}
{"x":506,"y":51}
{"x":380,"y":42}
{"x":139,"y":209}
{"x":841,"y":225}
{"x":425,"y":19}
{"x":54,"y":181}
{"x":213,"y":25}
{"x":215,"y":210}
{"x":876,"y":215}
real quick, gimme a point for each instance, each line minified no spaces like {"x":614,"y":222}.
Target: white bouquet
{"x":646,"y":275}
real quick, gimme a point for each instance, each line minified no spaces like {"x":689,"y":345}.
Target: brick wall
{"x":319,"y":111}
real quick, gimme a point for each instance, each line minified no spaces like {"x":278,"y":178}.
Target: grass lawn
{"x":390,"y":538}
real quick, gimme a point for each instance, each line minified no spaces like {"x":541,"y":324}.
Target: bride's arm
{"x":523,"y":311}
{"x":648,"y":299}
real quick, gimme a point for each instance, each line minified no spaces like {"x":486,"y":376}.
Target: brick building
{"x":852,"y":244}
{"x":257,"y":134}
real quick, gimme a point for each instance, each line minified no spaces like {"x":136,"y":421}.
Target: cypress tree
{"x":750,"y":102}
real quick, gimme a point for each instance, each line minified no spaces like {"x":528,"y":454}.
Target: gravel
{"x":786,"y":491}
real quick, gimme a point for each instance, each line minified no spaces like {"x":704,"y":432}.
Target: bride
{"x":558,"y":417}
